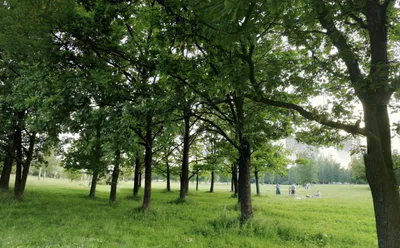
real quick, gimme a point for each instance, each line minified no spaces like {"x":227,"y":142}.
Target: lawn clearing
{"x":57,"y":213}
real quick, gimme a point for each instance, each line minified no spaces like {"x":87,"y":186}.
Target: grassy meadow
{"x":57,"y":213}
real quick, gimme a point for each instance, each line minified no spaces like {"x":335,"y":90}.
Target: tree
{"x":358,"y":169}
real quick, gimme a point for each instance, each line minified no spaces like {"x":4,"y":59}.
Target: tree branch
{"x":353,"y":129}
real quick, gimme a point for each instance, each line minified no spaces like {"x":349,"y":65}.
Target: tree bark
{"x":257,"y":182}
{"x":20,"y":187}
{"x":197,"y":181}
{"x":244,"y":198}
{"x":185,"y":155}
{"x":114,"y":180}
{"x":136,"y":180}
{"x":5,"y":173}
{"x":246,"y":207}
{"x":380,"y":175}
{"x":93,"y":184}
{"x":148,"y":161}
{"x":212,"y":181}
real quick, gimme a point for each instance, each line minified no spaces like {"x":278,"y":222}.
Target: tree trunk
{"x":40,"y":173}
{"x":20,"y":189}
{"x":244,"y":180}
{"x":6,"y":172}
{"x":244,"y":198}
{"x":140,"y":178}
{"x":197,"y":181}
{"x":136,"y":180}
{"x":93,"y":184}
{"x":380,"y":175}
{"x":257,"y":182}
{"x":8,"y":160}
{"x":19,"y":154}
{"x":114,"y":180}
{"x":212,"y":181}
{"x":185,"y":155}
{"x":148,"y":161}
{"x":168,"y":177}
{"x":235,"y":179}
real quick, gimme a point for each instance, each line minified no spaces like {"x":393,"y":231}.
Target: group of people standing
{"x":292,"y":189}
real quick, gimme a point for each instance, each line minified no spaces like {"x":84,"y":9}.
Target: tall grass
{"x":57,"y":213}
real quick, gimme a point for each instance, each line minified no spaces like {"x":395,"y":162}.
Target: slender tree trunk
{"x":114,"y":180}
{"x":185,"y":155}
{"x":19,"y":154}
{"x":235,"y":179}
{"x":19,"y":191}
{"x":197,"y":181}
{"x":140,"y":178}
{"x":8,"y":162}
{"x":257,"y":182}
{"x":40,"y":173}
{"x":93,"y":184}
{"x":96,"y":161}
{"x":168,"y":177}
{"x":5,"y":173}
{"x":136,"y":180}
{"x":381,"y":177}
{"x":212,"y":181}
{"x":148,"y":161}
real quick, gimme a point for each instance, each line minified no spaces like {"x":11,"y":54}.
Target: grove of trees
{"x":189,"y":87}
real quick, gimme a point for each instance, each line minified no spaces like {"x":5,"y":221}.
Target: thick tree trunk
{"x":148,"y":161}
{"x":244,"y":198}
{"x":93,"y":184}
{"x":168,"y":177}
{"x":381,"y":177}
{"x":212,"y":181}
{"x":257,"y":182}
{"x":114,"y":180}
{"x":185,"y":155}
{"x":136,"y":180}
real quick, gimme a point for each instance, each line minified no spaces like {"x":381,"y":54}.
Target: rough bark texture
{"x":147,"y":164}
{"x":381,"y":177}
{"x":136,"y":179}
{"x":114,"y":180}
{"x":185,"y":156}
{"x":244,"y":198}
{"x":93,"y":184}
{"x":246,"y":207}
{"x":257,"y":182}
{"x":212,"y":181}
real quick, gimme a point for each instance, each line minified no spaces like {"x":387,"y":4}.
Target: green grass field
{"x":57,"y":213}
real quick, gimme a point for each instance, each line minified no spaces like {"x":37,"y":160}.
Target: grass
{"x":57,"y":213}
